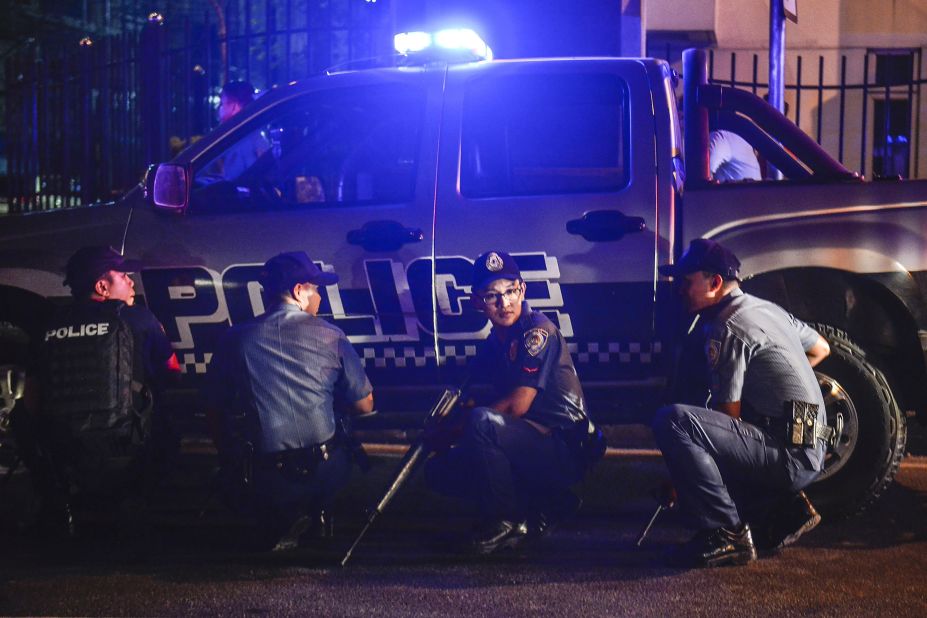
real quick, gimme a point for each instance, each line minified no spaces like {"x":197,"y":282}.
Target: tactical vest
{"x":90,"y":382}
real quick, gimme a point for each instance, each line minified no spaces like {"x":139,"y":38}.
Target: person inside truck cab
{"x":517,"y":456}
{"x":272,"y":387}
{"x":740,"y":463}
{"x":237,"y":159}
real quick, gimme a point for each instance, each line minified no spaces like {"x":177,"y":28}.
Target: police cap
{"x":494,"y":265}
{"x":283,"y":271}
{"x":88,"y":264}
{"x":704,"y":255}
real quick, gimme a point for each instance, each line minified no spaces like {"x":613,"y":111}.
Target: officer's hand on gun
{"x":440,"y":434}
{"x":666,"y":498}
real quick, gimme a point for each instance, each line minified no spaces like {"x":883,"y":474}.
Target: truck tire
{"x":866,"y":457}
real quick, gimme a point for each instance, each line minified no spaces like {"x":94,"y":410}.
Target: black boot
{"x":558,"y":508}
{"x":711,"y":548}
{"x":786,"y":523}
{"x":495,"y":535}
{"x":289,"y":540}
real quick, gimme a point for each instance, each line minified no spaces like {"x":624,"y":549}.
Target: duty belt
{"x":295,"y":462}
{"x":800,"y":427}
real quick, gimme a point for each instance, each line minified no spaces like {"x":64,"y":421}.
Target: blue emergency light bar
{"x":452,"y":40}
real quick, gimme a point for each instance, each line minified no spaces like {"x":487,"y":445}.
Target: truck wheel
{"x":866,"y":457}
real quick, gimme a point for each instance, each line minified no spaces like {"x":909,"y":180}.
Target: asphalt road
{"x":874,"y":564}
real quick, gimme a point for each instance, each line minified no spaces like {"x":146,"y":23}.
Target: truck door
{"x":344,"y":172}
{"x":555,"y":163}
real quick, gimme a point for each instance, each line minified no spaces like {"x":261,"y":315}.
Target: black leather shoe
{"x":290,"y":539}
{"x":496,"y":535}
{"x":562,"y":507}
{"x":785,"y":524}
{"x":712,"y":548}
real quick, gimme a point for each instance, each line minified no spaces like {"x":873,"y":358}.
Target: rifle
{"x":412,"y":459}
{"x":666,"y":499}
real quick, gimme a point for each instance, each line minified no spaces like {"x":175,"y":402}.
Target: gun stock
{"x":411,"y":461}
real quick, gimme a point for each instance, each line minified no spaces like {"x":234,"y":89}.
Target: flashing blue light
{"x":411,"y":42}
{"x":453,"y":39}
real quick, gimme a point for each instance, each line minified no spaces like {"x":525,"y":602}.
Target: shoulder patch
{"x":713,"y":351}
{"x":535,"y":341}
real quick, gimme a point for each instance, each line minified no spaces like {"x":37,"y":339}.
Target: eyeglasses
{"x":493,"y":298}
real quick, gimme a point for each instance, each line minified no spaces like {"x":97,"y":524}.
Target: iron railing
{"x":85,"y":118}
{"x":871,"y":124}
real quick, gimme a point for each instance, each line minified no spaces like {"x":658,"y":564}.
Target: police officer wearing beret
{"x":517,"y":457}
{"x":736,"y":463}
{"x":272,"y":387}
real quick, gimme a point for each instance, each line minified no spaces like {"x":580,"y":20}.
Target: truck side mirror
{"x":170,"y":191}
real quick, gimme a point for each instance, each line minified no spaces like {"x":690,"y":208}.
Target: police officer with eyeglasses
{"x":518,"y":455}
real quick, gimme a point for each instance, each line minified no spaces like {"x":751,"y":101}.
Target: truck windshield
{"x":344,"y":146}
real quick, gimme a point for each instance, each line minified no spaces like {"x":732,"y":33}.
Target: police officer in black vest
{"x":518,"y":456}
{"x":91,"y":391}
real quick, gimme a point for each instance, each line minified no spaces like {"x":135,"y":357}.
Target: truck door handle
{"x":605,"y":225}
{"x":384,"y":235}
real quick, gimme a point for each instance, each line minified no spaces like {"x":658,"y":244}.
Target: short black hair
{"x":241,"y":92}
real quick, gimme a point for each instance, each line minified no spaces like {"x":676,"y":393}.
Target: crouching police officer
{"x":742,"y":461}
{"x":92,"y":423}
{"x":273,"y":384}
{"x":517,"y":458}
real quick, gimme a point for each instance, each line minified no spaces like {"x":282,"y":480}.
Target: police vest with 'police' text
{"x":89,"y":371}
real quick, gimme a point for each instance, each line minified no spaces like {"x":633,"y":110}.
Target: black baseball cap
{"x":283,"y":271}
{"x":88,"y":264}
{"x":704,"y":255}
{"x":494,"y":265}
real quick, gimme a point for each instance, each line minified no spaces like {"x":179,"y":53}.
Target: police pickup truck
{"x":397,"y":178}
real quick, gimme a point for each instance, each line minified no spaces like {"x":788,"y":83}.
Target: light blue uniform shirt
{"x":756,"y":355}
{"x":284,"y":369}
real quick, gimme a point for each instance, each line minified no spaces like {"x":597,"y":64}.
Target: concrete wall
{"x":821,"y":23}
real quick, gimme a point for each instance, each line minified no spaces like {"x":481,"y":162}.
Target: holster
{"x":800,"y":426}
{"x":295,"y":465}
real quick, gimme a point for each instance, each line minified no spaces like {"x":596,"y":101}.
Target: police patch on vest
{"x":494,"y":262}
{"x":713,"y":350}
{"x":535,"y":341}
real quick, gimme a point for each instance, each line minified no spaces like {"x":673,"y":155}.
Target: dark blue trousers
{"x":503,"y":464}
{"x":726,"y":471}
{"x":276,"y":501}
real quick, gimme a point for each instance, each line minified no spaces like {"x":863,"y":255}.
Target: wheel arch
{"x":23,"y":313}
{"x":881,"y":313}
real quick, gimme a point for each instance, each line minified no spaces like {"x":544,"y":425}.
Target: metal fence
{"x":85,"y":118}
{"x":870,"y":121}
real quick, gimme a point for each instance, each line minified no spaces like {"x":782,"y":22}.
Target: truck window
{"x":338,"y":147}
{"x":544,"y":133}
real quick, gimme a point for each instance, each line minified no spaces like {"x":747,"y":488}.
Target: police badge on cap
{"x":494,"y":265}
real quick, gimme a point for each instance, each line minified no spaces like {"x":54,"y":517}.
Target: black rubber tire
{"x":870,"y":452}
